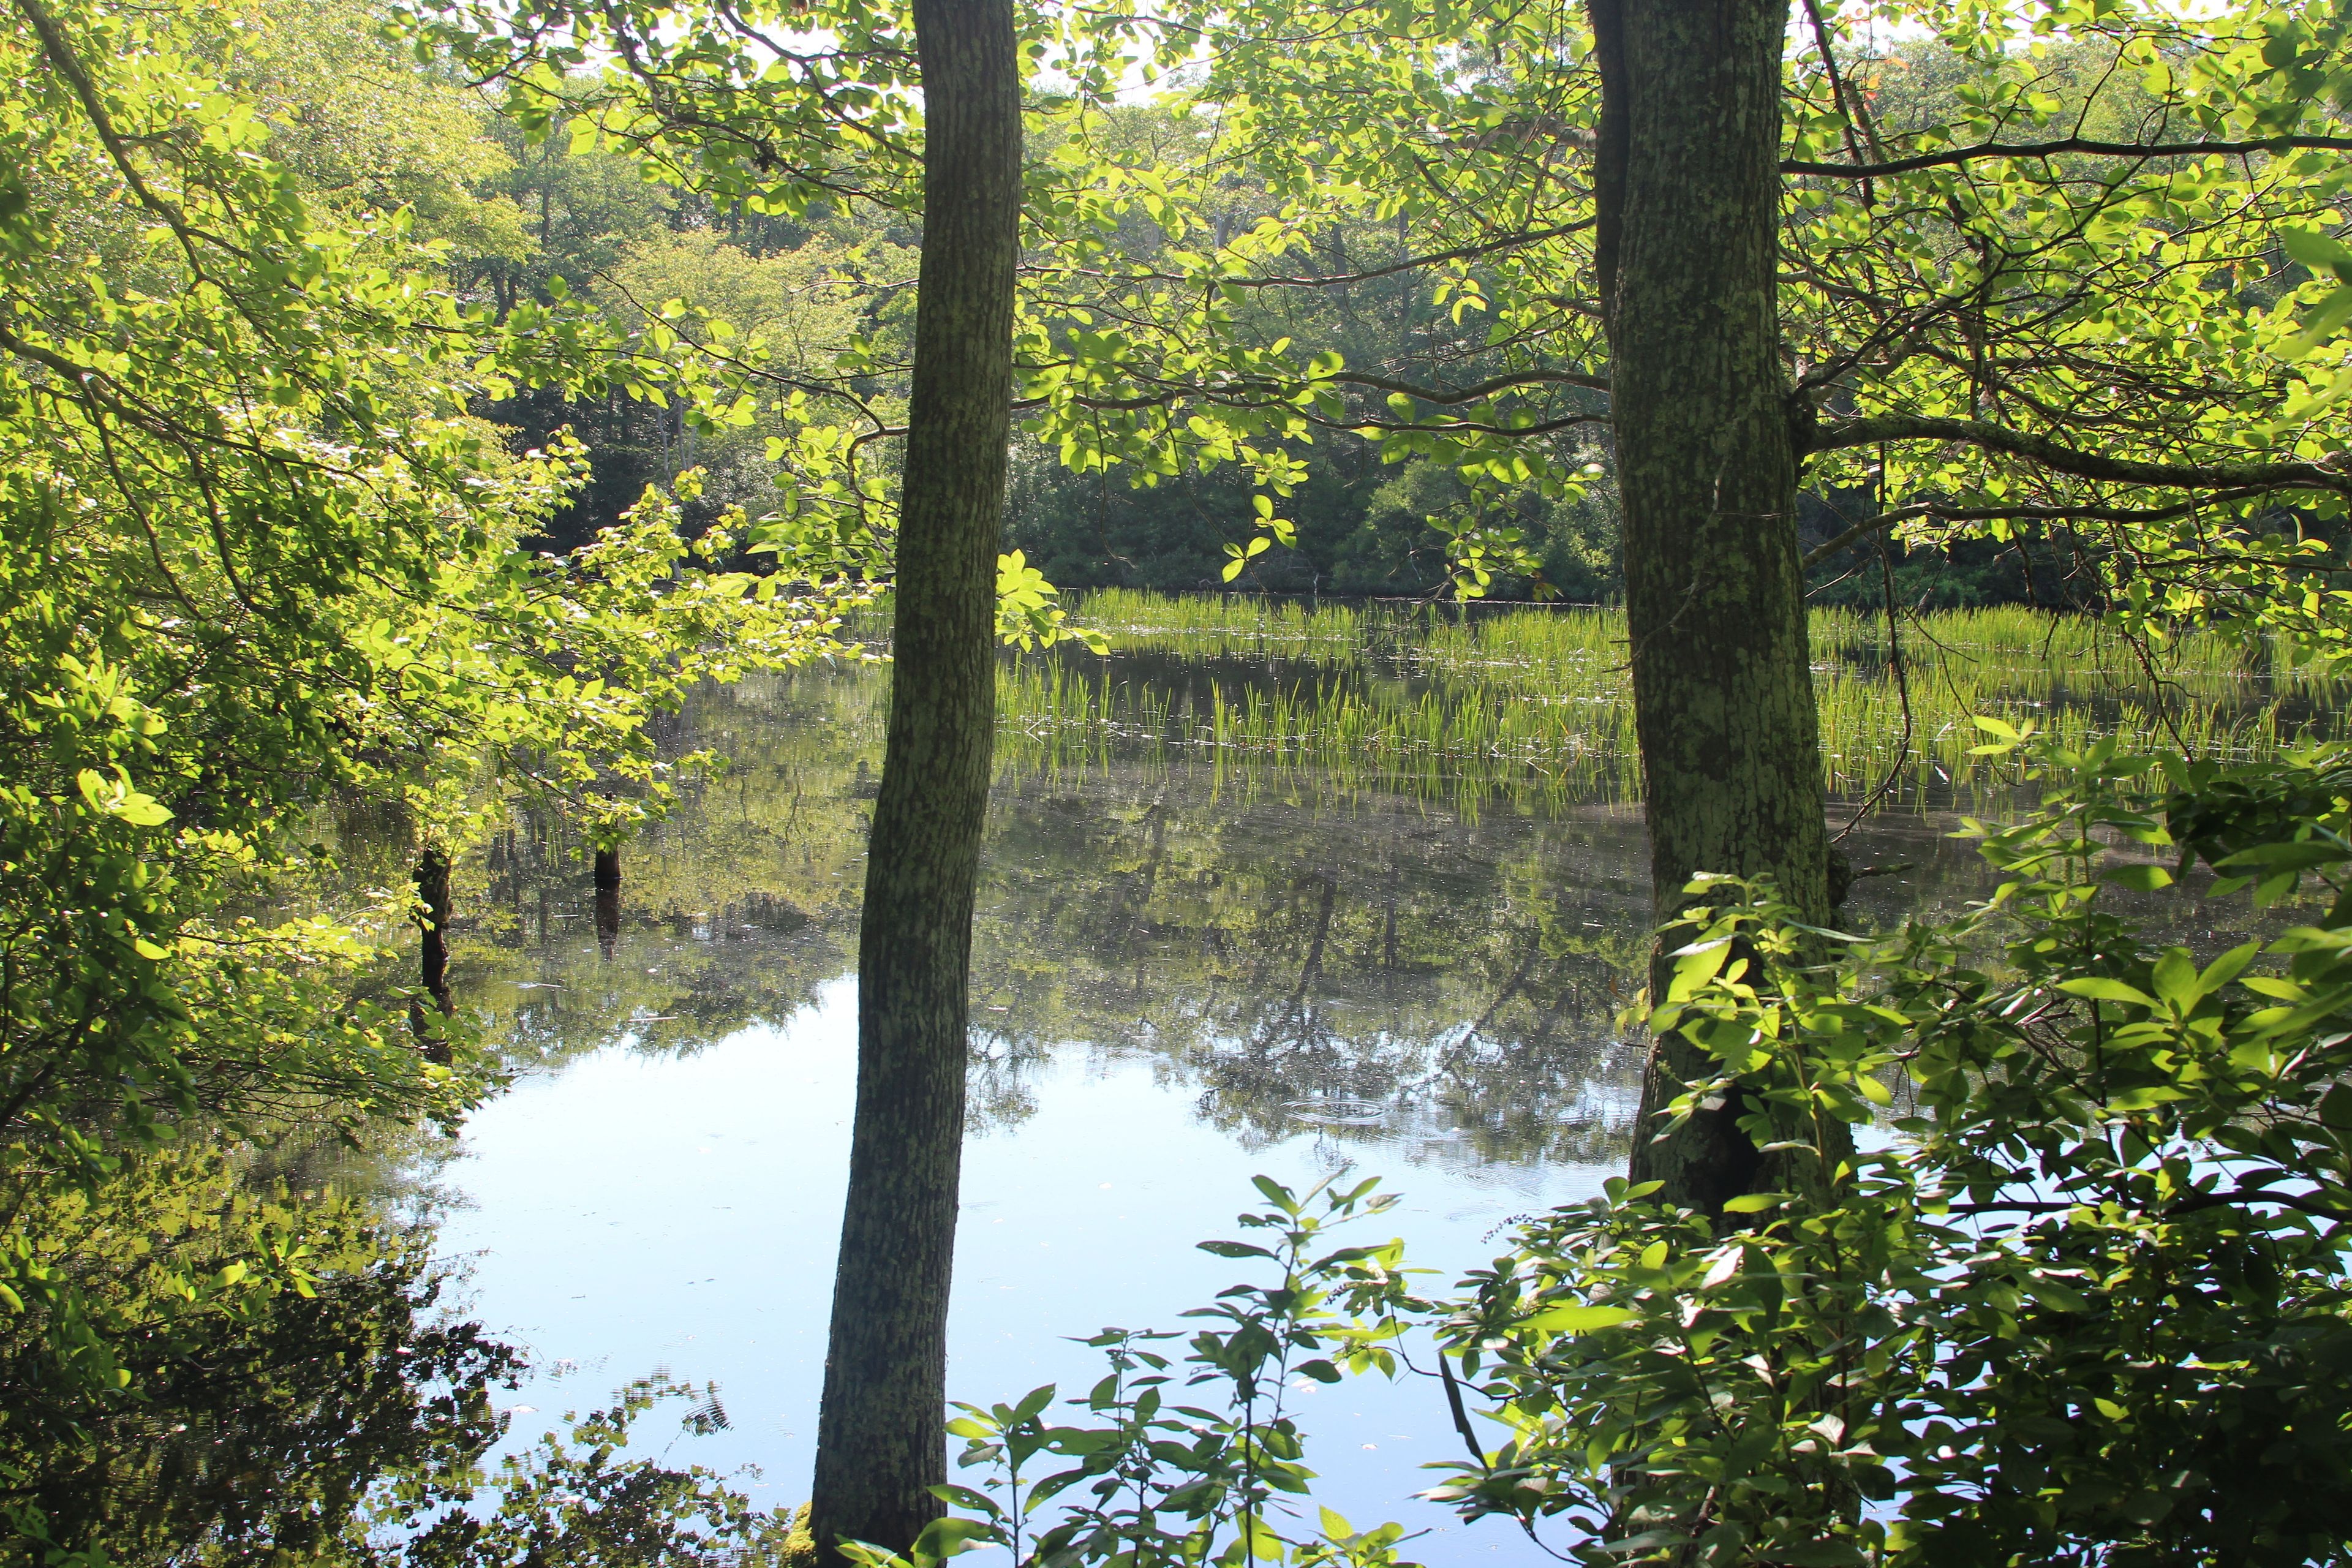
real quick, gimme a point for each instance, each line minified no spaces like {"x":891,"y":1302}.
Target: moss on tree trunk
{"x":1707,"y":460}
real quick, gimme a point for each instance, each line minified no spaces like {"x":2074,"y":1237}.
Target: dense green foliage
{"x":258,"y":555}
{"x":2089,"y":1305}
{"x":1255,"y":289}
{"x":259,"y":562}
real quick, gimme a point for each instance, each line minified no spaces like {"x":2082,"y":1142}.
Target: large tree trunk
{"x":881,"y":1439}
{"x":1689,"y":191}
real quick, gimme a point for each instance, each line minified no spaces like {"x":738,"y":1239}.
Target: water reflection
{"x":158,"y":1409}
{"x":1184,"y":973}
{"x":1453,"y":977}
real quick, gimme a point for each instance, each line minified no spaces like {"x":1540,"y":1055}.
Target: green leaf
{"x":1754,"y":1203}
{"x":2293,"y":856}
{"x":2101,"y":988}
{"x":964,"y":1496}
{"x":1696,"y":965}
{"x":2056,"y":1294}
{"x":2316,"y":251}
{"x":1819,"y":1554}
{"x":1647,"y":1540}
{"x":2325,"y":318}
{"x":951,"y":1537}
{"x":2227,"y":967}
{"x":1275,"y":1193}
{"x":1577,"y":1319}
{"x":2174,"y":976}
{"x":2273,"y":986}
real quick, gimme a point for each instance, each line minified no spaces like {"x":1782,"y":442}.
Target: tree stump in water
{"x":433,"y":952}
{"x":608,"y":918}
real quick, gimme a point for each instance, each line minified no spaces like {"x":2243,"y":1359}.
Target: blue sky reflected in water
{"x":629,"y":1212}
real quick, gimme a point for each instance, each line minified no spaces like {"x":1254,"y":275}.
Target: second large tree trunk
{"x":1689,"y":185}
{"x":881,"y":1438}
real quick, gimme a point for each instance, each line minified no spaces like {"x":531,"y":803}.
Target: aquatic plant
{"x":1537,"y":703}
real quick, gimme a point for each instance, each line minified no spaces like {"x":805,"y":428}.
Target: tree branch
{"x":1885,"y":520}
{"x":2082,"y":145}
{"x":69,"y":65}
{"x":1612,"y":144}
{"x":1471,"y":394}
{"x":2190,"y":1204}
{"x":1872,"y":430}
{"x":1864,"y":529}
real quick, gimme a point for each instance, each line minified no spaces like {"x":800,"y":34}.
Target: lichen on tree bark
{"x":1707,"y":457}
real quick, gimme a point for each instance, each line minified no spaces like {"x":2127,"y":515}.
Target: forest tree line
{"x":520,"y":215}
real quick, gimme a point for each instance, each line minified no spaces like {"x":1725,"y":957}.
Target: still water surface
{"x":1183,"y":977}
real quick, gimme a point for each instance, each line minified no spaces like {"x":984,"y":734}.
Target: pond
{"x":1286,"y":893}
{"x":1187,"y":970}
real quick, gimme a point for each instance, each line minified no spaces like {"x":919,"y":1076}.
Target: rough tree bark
{"x":881,"y":1439}
{"x":1688,"y":156}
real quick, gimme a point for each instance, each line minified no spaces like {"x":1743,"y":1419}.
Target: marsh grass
{"x":1536,"y":705}
{"x":1537,"y":702}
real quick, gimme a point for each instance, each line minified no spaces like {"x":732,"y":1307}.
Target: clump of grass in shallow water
{"x":1378,"y":734}
{"x":1204,"y":625}
{"x":1539,"y":703}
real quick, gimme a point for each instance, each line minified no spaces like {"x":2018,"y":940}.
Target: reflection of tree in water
{"x":323,"y":1408}
{"x":999,"y":1091}
{"x":1361,"y":1044}
{"x":1388,"y":973}
{"x":254,"y":1422}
